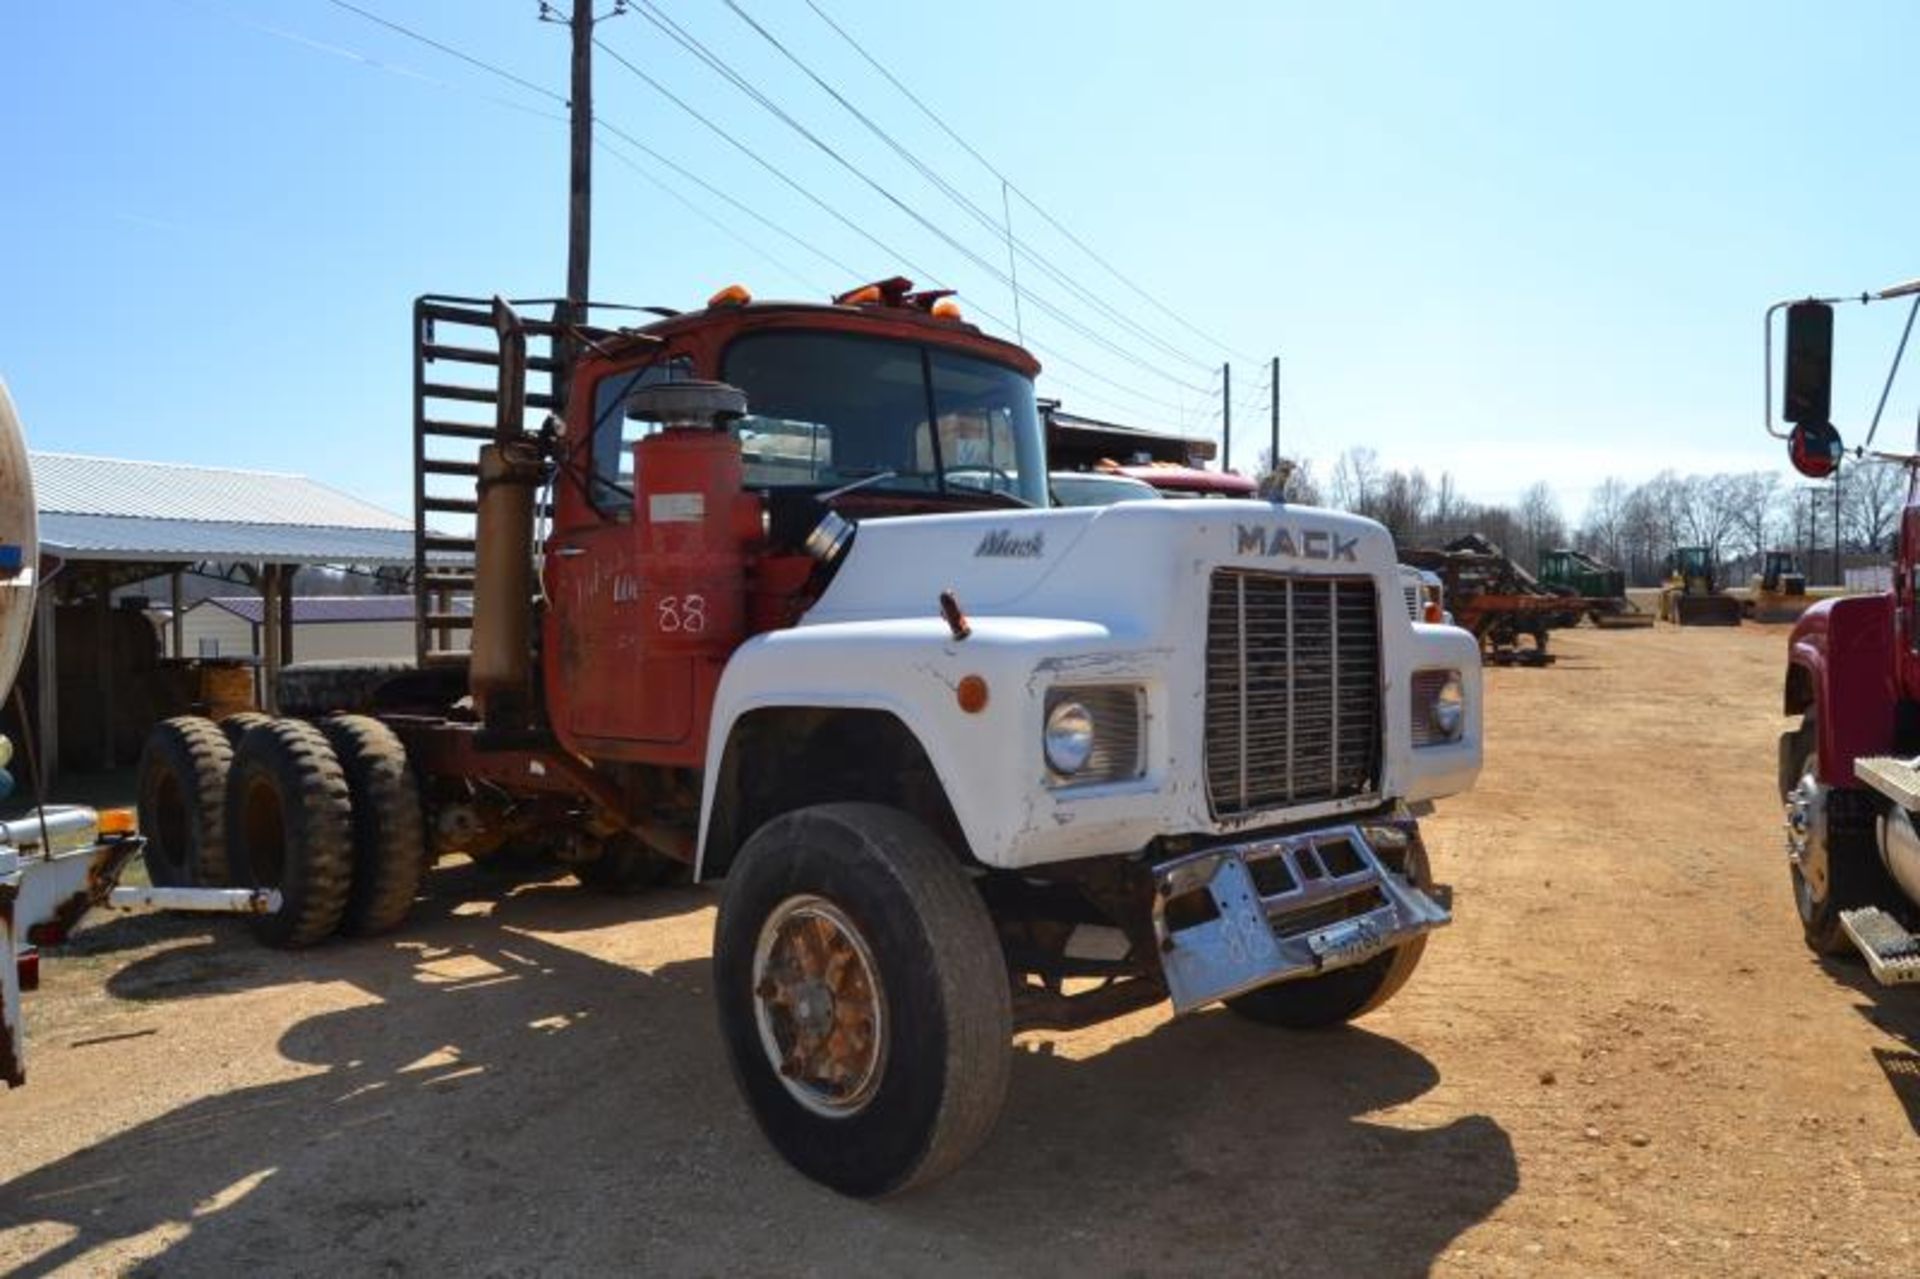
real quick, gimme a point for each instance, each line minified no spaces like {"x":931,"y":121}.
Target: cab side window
{"x":614,"y":433}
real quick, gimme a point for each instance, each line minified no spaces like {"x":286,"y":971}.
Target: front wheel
{"x":863,"y":997}
{"x":1315,"y":1003}
{"x":1833,"y":853}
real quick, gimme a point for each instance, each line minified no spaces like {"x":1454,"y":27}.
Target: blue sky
{"x":1514,"y":241}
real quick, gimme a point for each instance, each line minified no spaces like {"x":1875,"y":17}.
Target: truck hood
{"x":1121,"y":565}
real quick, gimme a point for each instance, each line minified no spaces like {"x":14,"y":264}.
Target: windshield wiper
{"x":863,"y":482}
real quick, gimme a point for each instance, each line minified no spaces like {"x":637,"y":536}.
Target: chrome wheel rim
{"x":819,"y":1006}
{"x":1807,"y":839}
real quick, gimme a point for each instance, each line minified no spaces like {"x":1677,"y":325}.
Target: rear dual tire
{"x":330,"y":816}
{"x":290,"y":827}
{"x":182,"y":787}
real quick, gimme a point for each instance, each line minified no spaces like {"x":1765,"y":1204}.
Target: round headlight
{"x":1069,"y":737}
{"x":6,"y":750}
{"x":1449,"y":709}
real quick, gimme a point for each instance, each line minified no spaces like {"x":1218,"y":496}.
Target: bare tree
{"x":1870,"y":500}
{"x":1541,"y":525}
{"x":1356,"y":480}
{"x":1605,"y":523}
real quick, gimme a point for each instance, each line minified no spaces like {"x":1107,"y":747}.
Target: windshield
{"x":831,"y":408}
{"x":1100,"y":490}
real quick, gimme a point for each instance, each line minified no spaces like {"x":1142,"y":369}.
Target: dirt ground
{"x":1619,"y":1060}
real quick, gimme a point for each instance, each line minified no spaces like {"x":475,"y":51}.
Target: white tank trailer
{"x":56,"y":863}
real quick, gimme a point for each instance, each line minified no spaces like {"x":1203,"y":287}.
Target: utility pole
{"x":1839,"y":574}
{"x":1273,"y":460}
{"x":1226,"y":417}
{"x":580,"y":171}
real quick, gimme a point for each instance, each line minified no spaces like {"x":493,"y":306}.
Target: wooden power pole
{"x":1273,"y":459}
{"x":1226,"y":417}
{"x":580,"y":180}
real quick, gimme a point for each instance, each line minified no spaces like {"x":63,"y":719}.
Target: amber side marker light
{"x":732,"y":295}
{"x":971,"y":693}
{"x":116,"y":821}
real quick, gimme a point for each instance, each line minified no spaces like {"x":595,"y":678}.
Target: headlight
{"x":1069,"y":737}
{"x":1094,"y":733}
{"x":1439,"y":707}
{"x":1450,"y":707}
{"x":6,"y":750}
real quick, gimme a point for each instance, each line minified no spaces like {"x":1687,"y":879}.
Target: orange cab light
{"x":947,"y":309}
{"x":865,"y":295}
{"x":1434,"y":613}
{"x":971,"y":693}
{"x":732,"y":295}
{"x":116,"y":821}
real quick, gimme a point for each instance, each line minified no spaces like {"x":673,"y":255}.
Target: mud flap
{"x":1231,"y":919}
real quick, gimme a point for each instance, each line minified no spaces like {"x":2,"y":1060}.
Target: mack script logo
{"x":1003,"y":544}
{"x":1299,"y":544}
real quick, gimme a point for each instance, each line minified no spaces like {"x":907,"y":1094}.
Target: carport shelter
{"x":108,"y":523}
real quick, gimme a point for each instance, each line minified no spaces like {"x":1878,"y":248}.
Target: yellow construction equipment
{"x":1778,"y":592}
{"x":1692,"y":597}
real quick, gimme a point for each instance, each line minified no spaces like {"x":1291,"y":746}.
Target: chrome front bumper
{"x":1230,"y":919}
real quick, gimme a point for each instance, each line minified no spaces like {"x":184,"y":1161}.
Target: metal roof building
{"x":108,"y":522}
{"x":112,"y":509}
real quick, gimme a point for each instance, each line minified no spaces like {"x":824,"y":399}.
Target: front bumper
{"x":1233,"y":918}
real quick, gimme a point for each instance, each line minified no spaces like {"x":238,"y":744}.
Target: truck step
{"x":1891,"y":952}
{"x":1898,"y":779}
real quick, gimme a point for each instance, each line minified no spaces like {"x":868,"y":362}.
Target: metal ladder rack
{"x":456,"y":358}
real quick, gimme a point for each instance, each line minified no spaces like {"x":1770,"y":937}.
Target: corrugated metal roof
{"x":103,"y":508}
{"x":108,"y":537}
{"x":320,"y":609}
{"x":71,"y":484}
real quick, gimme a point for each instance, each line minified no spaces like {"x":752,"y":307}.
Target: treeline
{"x":1634,"y":527}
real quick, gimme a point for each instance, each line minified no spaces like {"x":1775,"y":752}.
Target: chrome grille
{"x":1293,"y":689}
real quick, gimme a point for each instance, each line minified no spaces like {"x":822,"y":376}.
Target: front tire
{"x":863,"y":998}
{"x":1834,"y":854}
{"x":1317,"y":1003}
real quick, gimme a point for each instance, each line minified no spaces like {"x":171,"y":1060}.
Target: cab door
{"x":601,"y":685}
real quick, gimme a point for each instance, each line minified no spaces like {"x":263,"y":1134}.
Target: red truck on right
{"x":1849,"y":770}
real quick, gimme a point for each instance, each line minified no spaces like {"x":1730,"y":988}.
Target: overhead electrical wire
{"x":626,"y":137}
{"x":720,"y":67}
{"x":1014,"y":187}
{"x":997,"y":227}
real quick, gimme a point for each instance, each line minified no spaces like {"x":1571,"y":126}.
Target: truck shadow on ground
{"x":1895,"y":1010}
{"x":510,"y":1105}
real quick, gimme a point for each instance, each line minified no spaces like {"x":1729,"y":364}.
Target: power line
{"x":997,"y":228}
{"x":718,"y":225}
{"x":841,"y":217}
{"x":1026,"y":199}
{"x":449,"y":50}
{"x":719,"y":65}
{"x":768,"y":165}
{"x":614,"y":130}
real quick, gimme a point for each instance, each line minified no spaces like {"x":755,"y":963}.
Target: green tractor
{"x":1601,"y":587}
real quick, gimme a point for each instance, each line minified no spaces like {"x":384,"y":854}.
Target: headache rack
{"x":456,"y":411}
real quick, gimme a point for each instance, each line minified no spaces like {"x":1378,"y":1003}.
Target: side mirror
{"x":1814,"y":448}
{"x":1809,"y":391}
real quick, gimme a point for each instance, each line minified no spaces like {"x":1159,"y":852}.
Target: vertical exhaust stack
{"x":511,"y":469}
